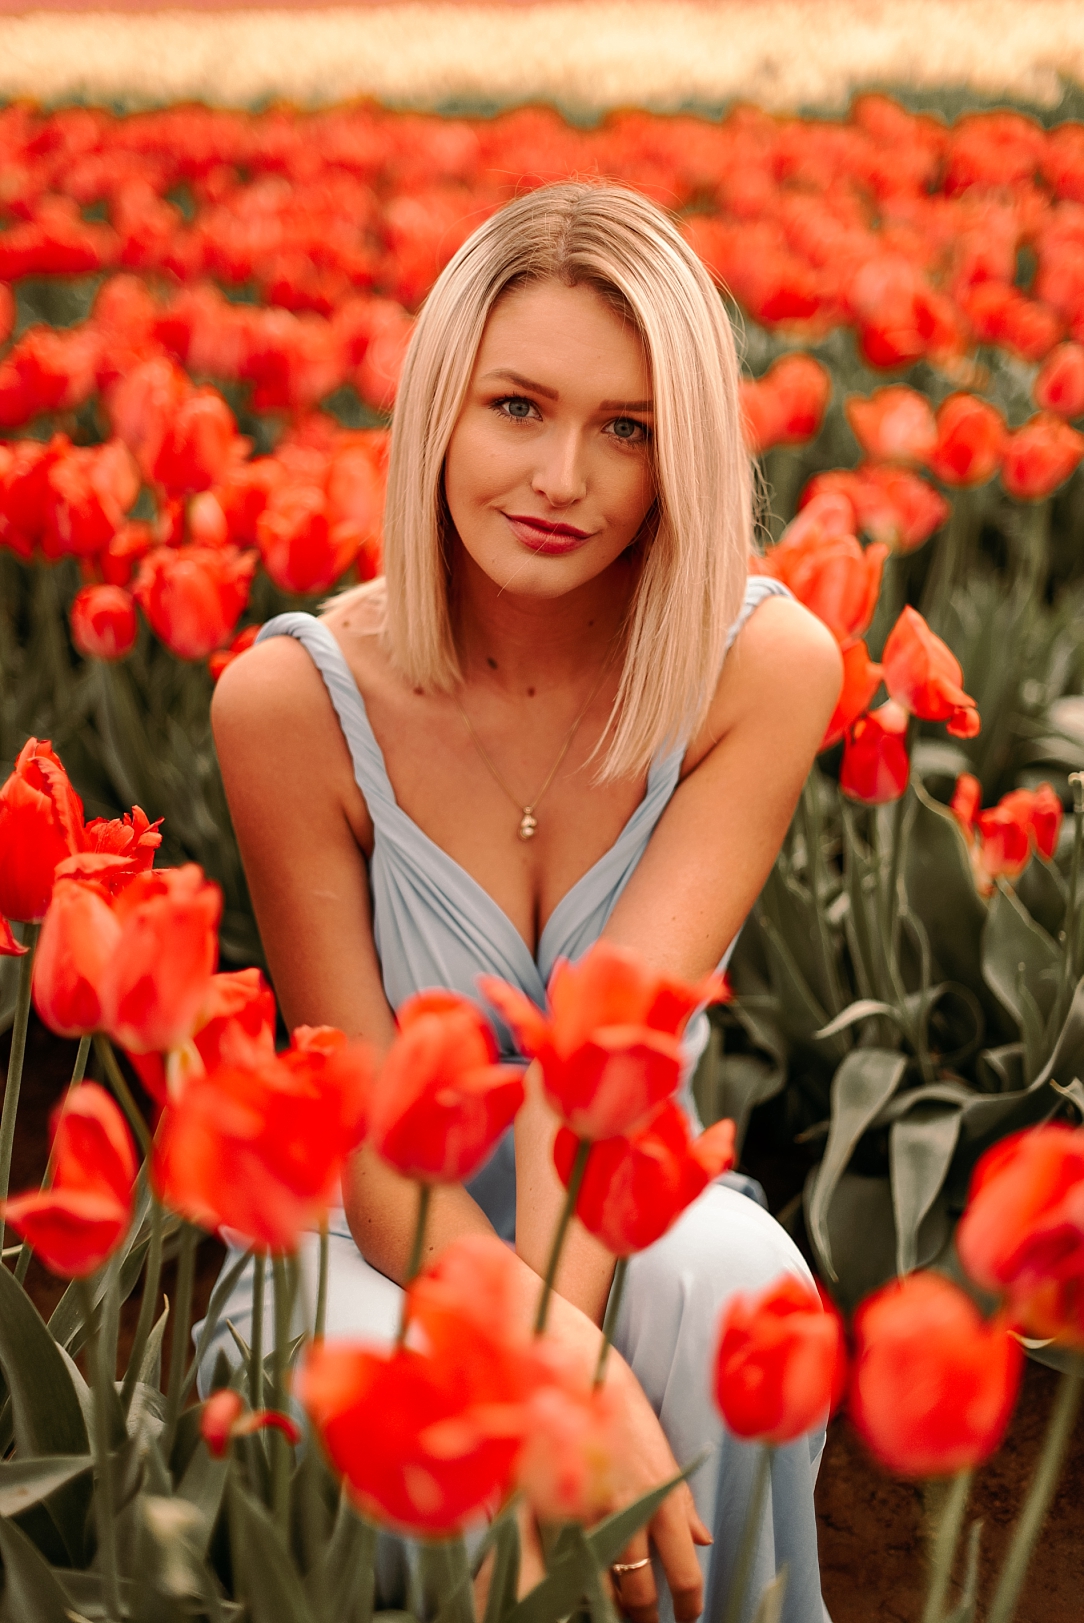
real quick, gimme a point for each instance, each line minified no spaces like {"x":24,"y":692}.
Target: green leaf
{"x":271,"y":1583}
{"x":862,"y":1085}
{"x":1043,"y":892}
{"x":864,"y":1009}
{"x":47,"y":1416}
{"x":940,"y":888}
{"x":31,"y":1592}
{"x":219,"y":1297}
{"x":504,"y":1579}
{"x":920,"y":1148}
{"x":609,"y":1538}
{"x":349,"y":1561}
{"x":202,"y":1485}
{"x":85,"y":1592}
{"x":25,"y":1482}
{"x":1020,"y":964}
{"x":150,"y":1370}
{"x":801,"y":1013}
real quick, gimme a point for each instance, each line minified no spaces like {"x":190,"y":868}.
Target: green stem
{"x":78,"y":1072}
{"x":743,"y":1566}
{"x":948,"y":563}
{"x":417,"y":1251}
{"x":147,"y":1305}
{"x":280,"y":1459}
{"x":115,"y":1076}
{"x":15,"y":1063}
{"x":579,"y":1167}
{"x":814,"y":856}
{"x":321,"y":1284}
{"x":103,"y":1499}
{"x":186,"y":1272}
{"x":944,"y":1547}
{"x":255,"y":1368}
{"x":609,"y":1323}
{"x":1058,"y":1432}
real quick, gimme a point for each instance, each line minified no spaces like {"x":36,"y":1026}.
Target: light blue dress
{"x":435,"y":926}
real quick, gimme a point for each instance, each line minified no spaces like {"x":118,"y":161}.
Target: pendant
{"x":527,"y":824}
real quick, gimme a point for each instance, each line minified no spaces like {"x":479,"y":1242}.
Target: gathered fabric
{"x":435,"y":926}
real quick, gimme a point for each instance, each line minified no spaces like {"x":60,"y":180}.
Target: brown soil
{"x":872,"y":1527}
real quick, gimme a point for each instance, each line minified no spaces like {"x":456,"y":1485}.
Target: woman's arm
{"x":302,"y":826}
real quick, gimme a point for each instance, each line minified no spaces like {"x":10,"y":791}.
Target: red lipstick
{"x":543,"y":536}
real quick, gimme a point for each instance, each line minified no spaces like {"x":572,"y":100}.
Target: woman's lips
{"x":552,"y":540}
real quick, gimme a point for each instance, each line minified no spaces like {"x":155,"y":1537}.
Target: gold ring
{"x":619,"y":1568}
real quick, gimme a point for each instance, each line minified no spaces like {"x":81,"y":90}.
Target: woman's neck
{"x":523,"y":643}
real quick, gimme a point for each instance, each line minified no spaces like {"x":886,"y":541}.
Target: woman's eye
{"x":515,"y":406}
{"x":628,"y":429}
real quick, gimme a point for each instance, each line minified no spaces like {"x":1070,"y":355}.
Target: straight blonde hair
{"x":694,"y":562}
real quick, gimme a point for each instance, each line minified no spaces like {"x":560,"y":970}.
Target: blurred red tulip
{"x":932,"y":1386}
{"x":780,"y":1366}
{"x":876,"y":768}
{"x":194,"y":596}
{"x":834,"y":577}
{"x":223,"y":657}
{"x":609,"y":1045}
{"x":442,"y":1102}
{"x":235,"y":1026}
{"x":243,"y":495}
{"x":103,"y":622}
{"x":1039,"y":457}
{"x":1000,"y":314}
{"x":160,"y":969}
{"x":1022,"y":1231}
{"x":79,"y":1221}
{"x":966,"y":802}
{"x":7,"y":312}
{"x":41,"y":823}
{"x":636,"y":1187}
{"x":197,"y":445}
{"x":302,"y":549}
{"x":786,"y":405}
{"x":90,"y":488}
{"x":78,"y":940}
{"x":567,"y":1468}
{"x":378,"y":375}
{"x":922,"y":674}
{"x":1060,"y":384}
{"x":123,"y":551}
{"x":225,"y":1417}
{"x":258,"y":1145}
{"x":861,"y":679}
{"x":890,"y":504}
{"x":895,"y":424}
{"x":142,"y":403}
{"x":970,"y":441}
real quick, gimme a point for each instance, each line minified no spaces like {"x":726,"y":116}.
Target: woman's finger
{"x":635,"y":1591}
{"x":673,"y":1539}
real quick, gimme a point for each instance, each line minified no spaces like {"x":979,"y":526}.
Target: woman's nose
{"x":560,"y":475}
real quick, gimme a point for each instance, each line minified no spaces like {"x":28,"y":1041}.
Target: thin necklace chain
{"x":528,"y":821}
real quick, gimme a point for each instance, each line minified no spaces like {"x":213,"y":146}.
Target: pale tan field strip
{"x":783,"y":54}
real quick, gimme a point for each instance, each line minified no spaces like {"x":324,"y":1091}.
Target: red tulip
{"x":302,"y":549}
{"x":876,"y":768}
{"x":194,"y":596}
{"x":1039,"y":457}
{"x":779,"y":1369}
{"x":1022,"y":1232}
{"x":834,"y":577}
{"x":861,"y":679}
{"x":566,"y":1470}
{"x":923,"y":675}
{"x":132,"y":836}
{"x":786,"y":406}
{"x":103,"y":622}
{"x":890,"y":504}
{"x":78,"y":941}
{"x":79,"y":1221}
{"x":235,"y":1026}
{"x":932,"y":1387}
{"x":609,"y":1046}
{"x":427,"y":1435}
{"x":1005,"y":850}
{"x":160,"y":969}
{"x":7,"y":312}
{"x":197,"y":445}
{"x":966,"y":802}
{"x":1060,"y":384}
{"x":90,"y":488}
{"x":895,"y":424}
{"x":634,"y":1188}
{"x":142,"y":404}
{"x":224,"y":657}
{"x":225,"y":1417}
{"x":970,"y":441}
{"x":125,"y":549}
{"x":41,"y":823}
{"x":378,"y":375}
{"x":442,"y":1102}
{"x":259,"y":1146}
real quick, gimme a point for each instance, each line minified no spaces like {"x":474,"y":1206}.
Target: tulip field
{"x":203,"y":316}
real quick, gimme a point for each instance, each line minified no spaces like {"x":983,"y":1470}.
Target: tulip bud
{"x":103,"y":622}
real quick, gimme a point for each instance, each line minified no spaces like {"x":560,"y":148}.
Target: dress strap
{"x":757,"y":588}
{"x":345,"y":696}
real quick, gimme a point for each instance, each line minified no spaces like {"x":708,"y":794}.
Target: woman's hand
{"x":644,"y":1461}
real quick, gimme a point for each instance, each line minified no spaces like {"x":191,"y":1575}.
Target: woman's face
{"x":548,"y":474}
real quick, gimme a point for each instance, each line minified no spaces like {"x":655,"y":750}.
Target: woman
{"x":527,"y":736}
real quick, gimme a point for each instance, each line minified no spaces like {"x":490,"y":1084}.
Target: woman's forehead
{"x":561,"y":338}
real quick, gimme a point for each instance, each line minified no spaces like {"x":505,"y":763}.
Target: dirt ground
{"x":872,"y":1527}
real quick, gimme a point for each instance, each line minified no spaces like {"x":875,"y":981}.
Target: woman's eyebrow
{"x":626,"y":405}
{"x":524,"y":383}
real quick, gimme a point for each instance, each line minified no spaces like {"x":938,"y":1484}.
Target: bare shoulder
{"x":782,"y":675}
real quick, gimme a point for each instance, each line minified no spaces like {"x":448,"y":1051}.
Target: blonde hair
{"x":694,"y":564}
